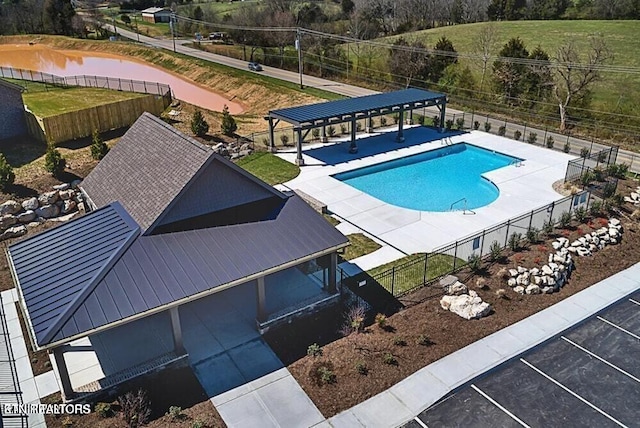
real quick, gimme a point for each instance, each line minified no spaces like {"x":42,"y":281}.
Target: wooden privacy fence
{"x":81,"y":123}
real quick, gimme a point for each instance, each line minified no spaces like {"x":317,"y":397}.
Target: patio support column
{"x":299,"y":160}
{"x":323,"y":137}
{"x":369,"y":126}
{"x":333,"y":266}
{"x":441,"y":106}
{"x":353,"y":146}
{"x":176,"y":329}
{"x":261,"y":297}
{"x":272,"y":140}
{"x":63,"y":372}
{"x":400,"y":137}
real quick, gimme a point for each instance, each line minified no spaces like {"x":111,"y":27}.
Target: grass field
{"x":46,"y":100}
{"x":360,"y":245}
{"x":618,"y":92}
{"x":269,"y":168}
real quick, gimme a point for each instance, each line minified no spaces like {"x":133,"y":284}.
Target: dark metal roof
{"x":349,"y":106}
{"x":158,"y":271}
{"x":146,"y":170}
{"x":59,"y":268}
{"x":10,"y":85}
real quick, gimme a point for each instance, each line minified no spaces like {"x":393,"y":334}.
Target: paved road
{"x":624,"y":156}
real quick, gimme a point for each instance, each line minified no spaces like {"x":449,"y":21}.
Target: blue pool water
{"x":432,"y":181}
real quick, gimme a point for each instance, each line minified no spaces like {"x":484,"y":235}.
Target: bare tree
{"x":281,"y":39}
{"x":485,"y":45}
{"x":574,"y":75}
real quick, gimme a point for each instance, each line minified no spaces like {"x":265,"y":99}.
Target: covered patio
{"x":305,"y":118}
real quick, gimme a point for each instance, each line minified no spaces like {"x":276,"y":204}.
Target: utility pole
{"x":299,"y":49}
{"x":135,"y":19}
{"x":173,"y":32}
{"x":115,"y":29}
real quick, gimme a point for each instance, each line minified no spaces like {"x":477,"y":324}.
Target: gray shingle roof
{"x":339,"y":108}
{"x":146,"y":170}
{"x":58,"y":269}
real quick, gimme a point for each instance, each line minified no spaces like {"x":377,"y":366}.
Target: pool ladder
{"x":465,"y":211}
{"x":446,"y":141}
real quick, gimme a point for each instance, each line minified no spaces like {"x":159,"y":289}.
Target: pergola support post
{"x":400,"y":137}
{"x":176,"y":329}
{"x":299,"y":159}
{"x":369,"y":127}
{"x":441,"y":107}
{"x":333,"y":266}
{"x":323,"y":136}
{"x":353,"y":145}
{"x":63,"y":372}
{"x":261,"y":299}
{"x":272,"y":140}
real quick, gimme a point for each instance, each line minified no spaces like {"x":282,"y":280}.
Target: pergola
{"x":305,"y":118}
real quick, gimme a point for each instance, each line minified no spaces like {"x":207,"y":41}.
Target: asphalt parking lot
{"x":589,"y":376}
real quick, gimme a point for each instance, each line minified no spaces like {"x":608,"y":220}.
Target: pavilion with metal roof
{"x":176,"y":229}
{"x":320,"y":115}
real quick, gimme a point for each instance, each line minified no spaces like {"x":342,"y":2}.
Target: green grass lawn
{"x":360,"y":245}
{"x":618,"y":92}
{"x":414,"y":275}
{"x":269,"y":167}
{"x":46,"y":100}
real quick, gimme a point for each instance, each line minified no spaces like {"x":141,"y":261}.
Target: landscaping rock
{"x":547,"y":290}
{"x":48,"y":211}
{"x":63,"y":186}
{"x":75,"y":183}
{"x":65,"y":195}
{"x":10,"y":207}
{"x":7,"y":220}
{"x":614,"y":222}
{"x":513,"y":273}
{"x":468,"y":306}
{"x":27,"y":216}
{"x":68,"y":206}
{"x":48,"y":198}
{"x":532,"y":289}
{"x":511,"y":282}
{"x":519,"y":289}
{"x":14,"y":232}
{"x":30,"y":204}
{"x":547,"y":270}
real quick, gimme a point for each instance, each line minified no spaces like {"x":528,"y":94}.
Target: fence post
{"x":506,"y":237}
{"x":482,"y":243}
{"x":455,"y":255}
{"x":424,"y":275}
{"x":524,"y":133}
{"x":393,"y":279}
{"x":544,"y":141}
{"x":530,"y":220}
{"x":473,"y":114}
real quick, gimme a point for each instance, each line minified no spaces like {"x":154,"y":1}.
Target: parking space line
{"x":419,"y":421}
{"x":601,"y":359}
{"x":499,"y":406}
{"x":618,"y":327}
{"x":593,"y":406}
{"x":634,"y":301}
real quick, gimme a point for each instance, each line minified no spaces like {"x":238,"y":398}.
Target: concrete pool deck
{"x":523,"y":188}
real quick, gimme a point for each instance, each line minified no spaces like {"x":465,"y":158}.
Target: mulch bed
{"x":423,"y":332}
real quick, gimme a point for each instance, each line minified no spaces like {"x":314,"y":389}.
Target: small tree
{"x":125,"y":18}
{"x":533,"y":137}
{"x":54,"y":163}
{"x":550,"y":142}
{"x":502,"y":131}
{"x":99,"y":148}
{"x":199,"y":126}
{"x":228,"y":125}
{"x":7,"y":176}
{"x":487,"y":126}
{"x":516,"y":135}
{"x":567,"y":147}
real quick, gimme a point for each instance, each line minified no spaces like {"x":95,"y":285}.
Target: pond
{"x":73,"y":63}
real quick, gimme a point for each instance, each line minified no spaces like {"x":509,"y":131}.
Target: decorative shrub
{"x":501,"y":293}
{"x":331,"y":131}
{"x":533,"y":137}
{"x":502,"y":131}
{"x":618,"y":170}
{"x":228,"y":125}
{"x":476,"y":125}
{"x":199,"y":126}
{"x":398,"y":341}
{"x":581,"y":214}
{"x":421,"y":120}
{"x":516,"y":135}
{"x":103,"y":410}
{"x":460,"y":123}
{"x":487,"y":126}
{"x":495,"y":251}
{"x":321,"y":373}
{"x":449,"y":124}
{"x":315,"y":132}
{"x":99,"y":148}
{"x":424,"y":340}
{"x":548,"y":226}
{"x":284,"y":138}
{"x":474,"y":261}
{"x":176,"y":412}
{"x":532,"y":235}
{"x":586,"y":178}
{"x":265,"y":142}
{"x":198,"y":424}
{"x":326,"y":375}
{"x":602,"y":156}
{"x":596,"y":208}
{"x":608,"y":190}
{"x":584,"y":152}
{"x":54,"y":163}
{"x":7,"y":176}
{"x":383,"y":121}
{"x":514,"y":241}
{"x":599,"y":174}
{"x":389,"y":359}
{"x":550,"y":142}
{"x":435,"y":121}
{"x":361,"y":368}
{"x":343,"y":128}
{"x":135,"y":408}
{"x":358,"y":127}
{"x":381,"y":320}
{"x":314,"y":350}
{"x":354,"y":320}
{"x":396,"y":118}
{"x":565,"y":220}
{"x":567,"y":147}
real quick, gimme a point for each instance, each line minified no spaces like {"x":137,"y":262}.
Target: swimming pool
{"x":434,"y":180}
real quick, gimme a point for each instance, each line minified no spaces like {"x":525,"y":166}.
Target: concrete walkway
{"x":403,"y":401}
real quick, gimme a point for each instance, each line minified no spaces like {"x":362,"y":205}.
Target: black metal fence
{"x":601,"y":159}
{"x":128,"y":85}
{"x":427,"y":268}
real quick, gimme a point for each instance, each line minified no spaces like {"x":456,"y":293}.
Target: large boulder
{"x":30,"y":204}
{"x":14,"y":232}
{"x":468,"y":306}
{"x":455,"y":289}
{"x":27,"y":216}
{"x":7,"y":220}
{"x":66,"y":194}
{"x":10,"y":207}
{"x":48,"y":211}
{"x":68,"y":206}
{"x":63,"y":186}
{"x":48,"y":198}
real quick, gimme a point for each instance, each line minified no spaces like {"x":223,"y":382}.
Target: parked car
{"x":254,"y":66}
